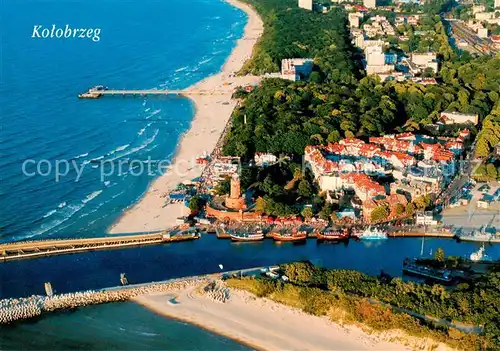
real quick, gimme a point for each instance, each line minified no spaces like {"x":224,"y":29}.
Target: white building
{"x":306,"y":4}
{"x":497,"y":4}
{"x":354,"y":18}
{"x":426,"y":218}
{"x":370,"y":4}
{"x":482,"y":32}
{"x":262,"y":159}
{"x":458,"y":118}
{"x":425,"y":60}
{"x":478,"y":8}
{"x":296,"y":69}
{"x":375,"y":61}
{"x":483,"y":16}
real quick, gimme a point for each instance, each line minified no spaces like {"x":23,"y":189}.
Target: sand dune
{"x":212,"y":114}
{"x":263,"y":324}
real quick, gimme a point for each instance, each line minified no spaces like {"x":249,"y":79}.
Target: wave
{"x":140,"y":147}
{"x":92,"y":196}
{"x":106,"y":183}
{"x":71,"y":210}
{"x":148,"y":109}
{"x":50,"y":213}
{"x":205,"y":61}
{"x":61,"y":205}
{"x":80,"y":156}
{"x":144,"y":129}
{"x":182,"y":69}
{"x":155,"y":112}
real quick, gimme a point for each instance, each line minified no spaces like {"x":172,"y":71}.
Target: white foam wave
{"x":106,"y":183}
{"x":80,"y":156}
{"x":45,"y":227}
{"x":182,"y":69}
{"x":92,"y":196}
{"x":140,"y":147}
{"x":61,"y":205}
{"x":50,"y":213}
{"x":148,"y":109}
{"x":207,"y":60}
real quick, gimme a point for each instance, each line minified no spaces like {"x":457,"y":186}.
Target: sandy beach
{"x":261,"y":323}
{"x":212,"y":113}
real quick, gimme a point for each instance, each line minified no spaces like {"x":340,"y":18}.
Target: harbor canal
{"x":100,"y":269}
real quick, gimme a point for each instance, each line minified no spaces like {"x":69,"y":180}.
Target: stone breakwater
{"x":23,"y":308}
{"x":216,"y":291}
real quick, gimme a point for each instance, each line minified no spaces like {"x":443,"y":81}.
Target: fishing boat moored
{"x":293,"y":236}
{"x":242,"y":236}
{"x":370,"y":234}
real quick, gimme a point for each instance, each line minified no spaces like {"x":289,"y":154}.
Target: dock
{"x":415,"y":234}
{"x":34,"y":249}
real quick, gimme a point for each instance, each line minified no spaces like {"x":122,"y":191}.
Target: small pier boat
{"x":332,"y":234}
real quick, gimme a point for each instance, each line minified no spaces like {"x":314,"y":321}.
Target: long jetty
{"x":33,"y":249}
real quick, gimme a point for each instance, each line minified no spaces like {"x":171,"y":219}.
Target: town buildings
{"x":497,"y":4}
{"x":419,"y":62}
{"x":419,"y":165}
{"x":295,"y":69}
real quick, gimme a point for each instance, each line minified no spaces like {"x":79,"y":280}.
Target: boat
{"x":287,"y":236}
{"x":479,"y":255}
{"x":441,"y":275}
{"x":332,"y":234}
{"x":240,"y":236}
{"x":370,"y":234}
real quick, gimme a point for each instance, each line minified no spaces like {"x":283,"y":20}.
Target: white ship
{"x":371,"y":234}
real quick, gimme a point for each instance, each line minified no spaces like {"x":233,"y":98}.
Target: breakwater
{"x":12,"y":310}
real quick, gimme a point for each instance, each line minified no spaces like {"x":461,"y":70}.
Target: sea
{"x":147,"y":44}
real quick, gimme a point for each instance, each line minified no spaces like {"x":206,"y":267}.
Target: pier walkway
{"x":33,"y":249}
{"x":94,"y":93}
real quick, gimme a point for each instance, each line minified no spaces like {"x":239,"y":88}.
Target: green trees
{"x":439,"y":255}
{"x":196,"y":203}
{"x":291,"y":32}
{"x":399,"y":209}
{"x":307,"y":213}
{"x":380,"y":213}
{"x":223,"y":187}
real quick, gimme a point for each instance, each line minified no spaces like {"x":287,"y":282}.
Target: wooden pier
{"x":33,"y":249}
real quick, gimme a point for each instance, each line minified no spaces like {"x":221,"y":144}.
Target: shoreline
{"x":212,"y":113}
{"x":262,"y":324}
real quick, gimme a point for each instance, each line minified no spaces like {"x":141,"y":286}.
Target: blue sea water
{"x":143,"y":44}
{"x":124,"y":326}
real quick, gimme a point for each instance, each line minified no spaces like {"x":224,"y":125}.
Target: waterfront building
{"x":306,"y":4}
{"x":425,"y":218}
{"x":234,"y":200}
{"x":296,"y":68}
{"x":225,"y":167}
